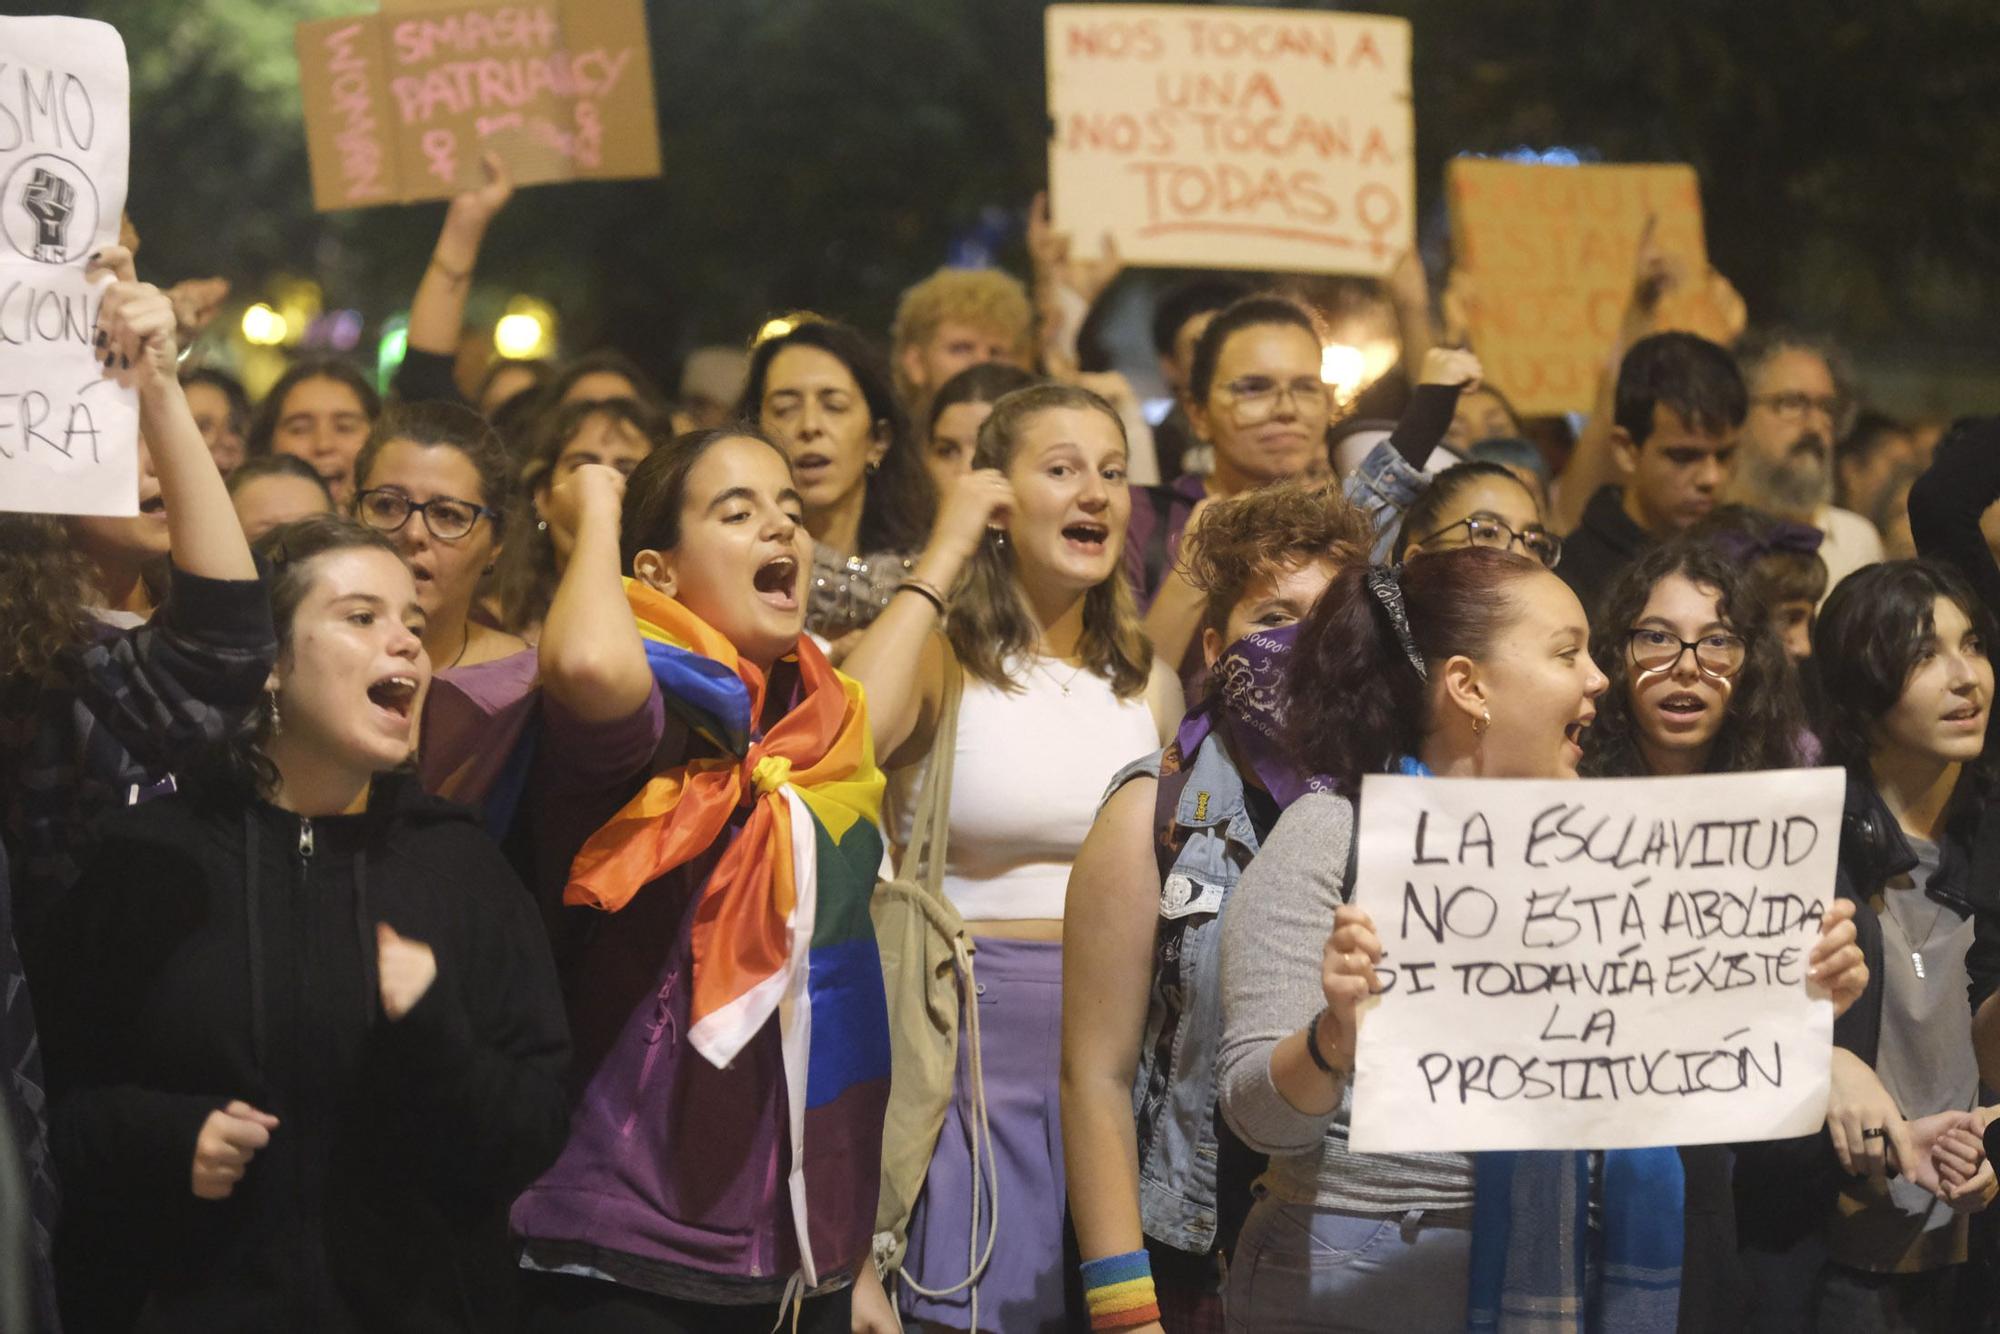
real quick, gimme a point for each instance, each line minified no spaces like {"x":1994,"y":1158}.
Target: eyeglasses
{"x":1794,"y":406}
{"x":1253,"y":399}
{"x":448,"y":520}
{"x":1535,"y":540}
{"x":1652,"y":650}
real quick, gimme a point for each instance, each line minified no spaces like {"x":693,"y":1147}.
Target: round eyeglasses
{"x":1718,"y":655}
{"x":1481,"y":531}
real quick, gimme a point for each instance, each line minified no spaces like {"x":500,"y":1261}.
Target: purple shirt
{"x":1148,"y":553}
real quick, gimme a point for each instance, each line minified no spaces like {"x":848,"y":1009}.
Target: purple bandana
{"x":1247,"y":689}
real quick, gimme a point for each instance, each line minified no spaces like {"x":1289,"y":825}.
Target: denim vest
{"x":1174,"y":1093}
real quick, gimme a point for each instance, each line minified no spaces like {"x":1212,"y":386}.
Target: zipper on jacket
{"x":305,"y":837}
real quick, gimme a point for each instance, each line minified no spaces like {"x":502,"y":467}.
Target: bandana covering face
{"x":1247,"y":689}
{"x":782,"y":924}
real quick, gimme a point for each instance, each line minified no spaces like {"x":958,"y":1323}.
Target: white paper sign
{"x":1210,"y":136}
{"x":68,"y":434}
{"x":1594,"y":964}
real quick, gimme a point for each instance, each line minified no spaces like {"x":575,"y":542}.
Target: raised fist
{"x":49,"y":200}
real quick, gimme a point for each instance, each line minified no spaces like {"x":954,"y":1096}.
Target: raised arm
{"x":135,"y":329}
{"x":899,"y":661}
{"x":1114,"y":899}
{"x":593,"y":661}
{"x":437,"y":314}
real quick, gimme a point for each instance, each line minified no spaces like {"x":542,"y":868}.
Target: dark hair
{"x":526,"y":580}
{"x":1776,"y":574}
{"x":441,"y":425}
{"x":606,"y":361}
{"x":987,"y":382}
{"x":1248,"y":313}
{"x":277,"y":465}
{"x":1765,"y":720}
{"x":1190,"y":297}
{"x":230,"y":388}
{"x":898,"y":502}
{"x":1272,"y":527}
{"x":991,"y":623}
{"x":1756,"y":349}
{"x":656,"y":492}
{"x":1693,"y":377}
{"x":1420,"y":519}
{"x":540,"y":371}
{"x":45,"y":585}
{"x":1871,"y":431}
{"x":1870,"y":633}
{"x":1354,"y":703}
{"x":265,"y":425}
{"x":1510,"y":451}
{"x":237,"y":767}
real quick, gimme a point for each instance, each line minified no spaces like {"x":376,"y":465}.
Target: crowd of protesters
{"x":865,"y":840}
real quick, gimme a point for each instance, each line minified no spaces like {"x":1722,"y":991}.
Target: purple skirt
{"x":1020,"y":1020}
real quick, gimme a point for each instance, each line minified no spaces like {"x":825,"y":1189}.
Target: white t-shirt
{"x":1851,"y":542}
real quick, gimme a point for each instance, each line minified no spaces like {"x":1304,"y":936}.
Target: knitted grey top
{"x":1273,"y":939}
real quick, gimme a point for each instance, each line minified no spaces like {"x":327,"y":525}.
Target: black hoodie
{"x":217,"y":950}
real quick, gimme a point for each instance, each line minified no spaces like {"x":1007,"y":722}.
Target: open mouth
{"x":1966,"y":716}
{"x":1573,"y":734}
{"x":394,"y":694}
{"x":154,"y":505}
{"x":422,"y":574}
{"x":777,"y":582}
{"x":1089,"y":537}
{"x":811,"y":465}
{"x":1684,"y":705}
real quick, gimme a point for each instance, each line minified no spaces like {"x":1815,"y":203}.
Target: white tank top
{"x":1028,"y":773}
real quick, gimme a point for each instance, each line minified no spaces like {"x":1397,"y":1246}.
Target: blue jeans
{"x":1315,"y":1271}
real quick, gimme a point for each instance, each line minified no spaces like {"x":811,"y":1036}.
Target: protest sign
{"x":401,"y":105}
{"x":1551,"y":252}
{"x":1594,"y":964}
{"x":1215,"y":137}
{"x":68,"y":433}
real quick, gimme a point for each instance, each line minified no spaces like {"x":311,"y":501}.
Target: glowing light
{"x":775,"y":328}
{"x":390,"y":349}
{"x":520,"y":335}
{"x":264,"y":327}
{"x":1342,"y":366}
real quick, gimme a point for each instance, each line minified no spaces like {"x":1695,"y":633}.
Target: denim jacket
{"x":1174,"y":1093}
{"x":1382,"y":487}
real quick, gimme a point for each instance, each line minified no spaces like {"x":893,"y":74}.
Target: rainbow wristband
{"x":1119,"y":1290}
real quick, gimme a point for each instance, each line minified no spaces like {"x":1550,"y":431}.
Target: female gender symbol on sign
{"x":48,"y":209}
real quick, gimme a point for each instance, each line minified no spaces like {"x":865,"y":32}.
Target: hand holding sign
{"x":1348,"y":978}
{"x":135,"y":334}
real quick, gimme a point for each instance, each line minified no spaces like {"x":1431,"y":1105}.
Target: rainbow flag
{"x":782,"y":926}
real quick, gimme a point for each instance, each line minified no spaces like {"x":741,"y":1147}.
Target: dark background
{"x":825,"y":153}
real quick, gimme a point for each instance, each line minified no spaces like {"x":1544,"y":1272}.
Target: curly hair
{"x":1354,"y":703}
{"x":1269,"y":529}
{"x":1765,"y":719}
{"x":983,"y":298}
{"x":1871,"y":633}
{"x":991,"y":623}
{"x":44,"y":587}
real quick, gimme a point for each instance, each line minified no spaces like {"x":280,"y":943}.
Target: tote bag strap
{"x":924,"y":859}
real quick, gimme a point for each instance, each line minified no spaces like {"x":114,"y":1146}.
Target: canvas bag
{"x":926,"y":970}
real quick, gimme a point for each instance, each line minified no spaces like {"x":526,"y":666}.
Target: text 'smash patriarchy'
{"x":1214,"y":137}
{"x":401,"y":105}
{"x":68,"y":433}
{"x":1550,"y":252}
{"x":1594,"y":964}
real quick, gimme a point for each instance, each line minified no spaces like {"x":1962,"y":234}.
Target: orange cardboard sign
{"x":1550,"y":251}
{"x":1208,"y":136}
{"x":401,"y":105}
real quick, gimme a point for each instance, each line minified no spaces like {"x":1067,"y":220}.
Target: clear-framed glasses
{"x":1480,"y":531}
{"x":1253,"y":399}
{"x":449,"y":520}
{"x":1793,"y":407}
{"x":1654,"y":650}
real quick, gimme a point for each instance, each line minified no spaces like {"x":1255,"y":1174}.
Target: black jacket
{"x":213,"y":951}
{"x":1604,"y":543}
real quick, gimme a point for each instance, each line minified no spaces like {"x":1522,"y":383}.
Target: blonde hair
{"x":991,"y":622}
{"x":983,"y":298}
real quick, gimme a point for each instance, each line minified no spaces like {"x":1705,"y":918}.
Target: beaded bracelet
{"x":1119,"y":1291}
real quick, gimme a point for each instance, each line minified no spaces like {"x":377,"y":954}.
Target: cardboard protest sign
{"x":1550,"y":251}
{"x":1594,"y":964}
{"x":68,"y":434}
{"x":401,"y":105}
{"x":1215,"y":137}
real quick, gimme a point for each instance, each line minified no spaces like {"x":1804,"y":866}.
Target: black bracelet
{"x":1318,"y":1056}
{"x":923,"y":591}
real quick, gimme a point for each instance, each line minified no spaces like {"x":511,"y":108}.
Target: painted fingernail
{"x":100,"y":338}
{"x":124,"y":362}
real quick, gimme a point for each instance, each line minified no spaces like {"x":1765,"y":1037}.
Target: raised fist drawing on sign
{"x":50,"y":200}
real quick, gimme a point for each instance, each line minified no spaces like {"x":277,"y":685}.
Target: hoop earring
{"x":1482,"y":722}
